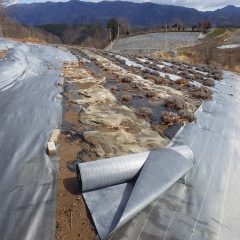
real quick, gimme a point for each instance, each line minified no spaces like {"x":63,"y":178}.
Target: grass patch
{"x":216,"y":32}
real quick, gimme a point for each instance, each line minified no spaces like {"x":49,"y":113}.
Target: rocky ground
{"x":117,"y":105}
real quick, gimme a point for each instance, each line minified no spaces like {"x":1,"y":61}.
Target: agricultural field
{"x":108,"y":104}
{"x":117,"y":104}
{"x":110,"y":135}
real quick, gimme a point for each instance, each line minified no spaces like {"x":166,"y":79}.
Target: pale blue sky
{"x":202,"y":5}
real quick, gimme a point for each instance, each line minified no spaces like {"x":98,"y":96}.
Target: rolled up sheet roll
{"x":118,"y":188}
{"x":108,"y":172}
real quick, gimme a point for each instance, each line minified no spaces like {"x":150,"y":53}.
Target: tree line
{"x":11,"y":29}
{"x":118,"y":28}
{"x":91,"y":35}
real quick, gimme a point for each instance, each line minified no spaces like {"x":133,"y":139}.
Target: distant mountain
{"x":138,"y":14}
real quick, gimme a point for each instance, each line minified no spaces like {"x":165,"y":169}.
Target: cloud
{"x":202,"y":5}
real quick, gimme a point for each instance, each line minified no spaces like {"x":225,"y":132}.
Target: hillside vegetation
{"x":90,"y":35}
{"x":217,"y":32}
{"x":11,"y":29}
{"x":209,"y":51}
{"x":137,"y":14}
{"x":21,"y":32}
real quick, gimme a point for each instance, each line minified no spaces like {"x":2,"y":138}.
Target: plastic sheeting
{"x":28,"y":113}
{"x":116,"y":189}
{"x":208,"y":205}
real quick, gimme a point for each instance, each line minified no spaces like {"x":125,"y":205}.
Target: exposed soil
{"x":73,"y":219}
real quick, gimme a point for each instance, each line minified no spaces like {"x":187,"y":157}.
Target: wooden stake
{"x":70,"y":218}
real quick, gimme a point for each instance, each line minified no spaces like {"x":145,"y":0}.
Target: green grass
{"x":216,"y":32}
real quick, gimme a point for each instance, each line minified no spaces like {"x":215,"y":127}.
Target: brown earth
{"x":73,"y":219}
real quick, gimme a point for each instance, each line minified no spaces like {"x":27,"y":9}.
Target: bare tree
{"x":3,"y":14}
{"x":237,"y":56}
{"x":208,"y":51}
{"x":125,"y":27}
{"x":3,"y":4}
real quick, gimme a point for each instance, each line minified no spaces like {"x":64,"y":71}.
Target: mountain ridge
{"x":138,"y":14}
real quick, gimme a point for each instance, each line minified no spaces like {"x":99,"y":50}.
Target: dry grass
{"x":182,"y":82}
{"x":208,"y":82}
{"x":181,"y":57}
{"x":175,"y":103}
{"x":207,"y":52}
{"x":203,"y":93}
{"x":154,"y":67}
{"x":170,"y":117}
{"x":187,"y":116}
{"x":145,"y":112}
{"x":161,"y":81}
{"x":30,"y":40}
{"x":114,"y":89}
{"x":150,"y":94}
{"x":185,"y":74}
{"x":150,"y":77}
{"x":93,"y":60}
{"x":126,"y":79}
{"x":146,"y":71}
{"x":235,"y":68}
{"x":134,"y":70}
{"x":126,"y":98}
{"x":121,"y":61}
{"x":217,"y":77}
{"x":3,"y":54}
{"x":167,"y":70}
{"x":160,"y":54}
